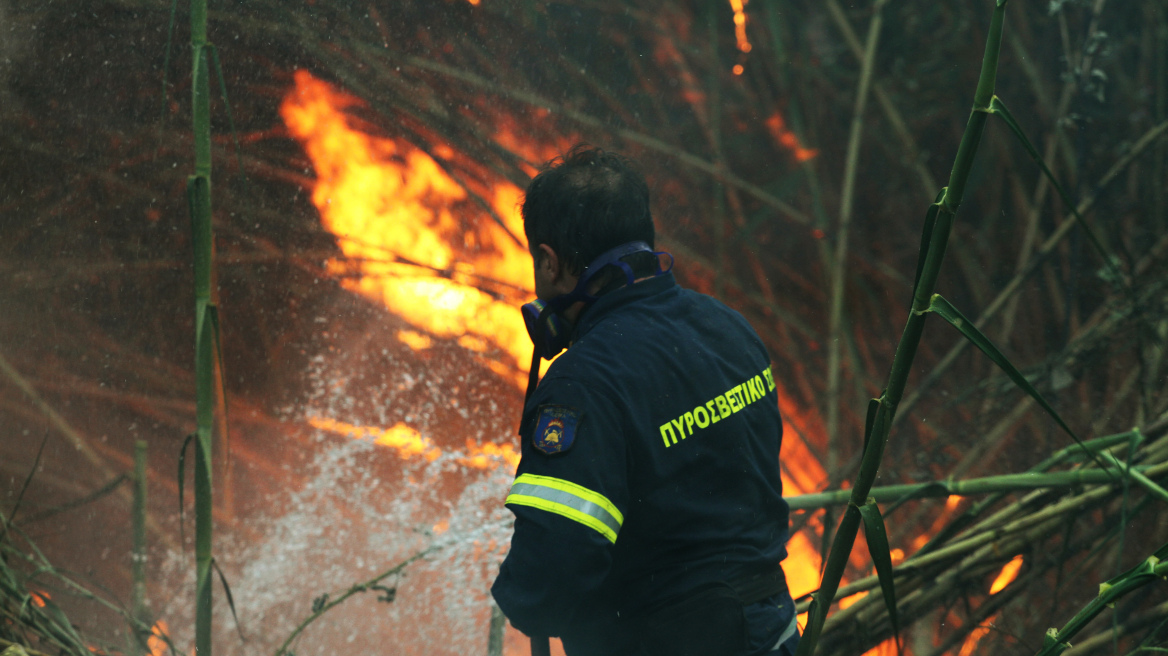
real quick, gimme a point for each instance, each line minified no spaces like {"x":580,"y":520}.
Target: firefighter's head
{"x":580,"y":205}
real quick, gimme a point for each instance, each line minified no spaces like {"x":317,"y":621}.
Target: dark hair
{"x":586,"y":202}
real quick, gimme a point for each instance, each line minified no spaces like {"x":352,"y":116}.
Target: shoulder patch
{"x":555,"y":428}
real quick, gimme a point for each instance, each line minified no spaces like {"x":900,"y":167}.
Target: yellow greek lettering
{"x":723,"y":406}
{"x":732,"y":396}
{"x":689,"y":422}
{"x":769,"y":378}
{"x":759,"y":388}
{"x":748,"y":391}
{"x":678,"y":424}
{"x":714,"y":418}
{"x":667,"y":434}
{"x":700,"y":416}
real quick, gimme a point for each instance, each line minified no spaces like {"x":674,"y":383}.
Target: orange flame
{"x":155,"y":643}
{"x":886,"y":648}
{"x":787,"y":139}
{"x":409,"y":443}
{"x":1004,"y":578}
{"x":801,"y":474}
{"x":1007,"y":575}
{"x":393,"y":209}
{"x":38,"y":598}
{"x":739,"y":7}
{"x":974,"y":637}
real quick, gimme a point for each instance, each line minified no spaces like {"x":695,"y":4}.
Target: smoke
{"x":14,"y":41}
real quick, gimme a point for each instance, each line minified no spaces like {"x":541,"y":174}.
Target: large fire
{"x":390,"y":206}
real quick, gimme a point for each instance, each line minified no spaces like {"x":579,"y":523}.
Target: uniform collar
{"x":618,"y":298}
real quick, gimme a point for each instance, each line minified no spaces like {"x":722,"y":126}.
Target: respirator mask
{"x":550,"y":332}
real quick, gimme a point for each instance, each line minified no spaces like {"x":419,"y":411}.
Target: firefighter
{"x":649,"y":516}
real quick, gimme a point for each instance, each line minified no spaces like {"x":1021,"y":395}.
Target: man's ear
{"x":548,"y":262}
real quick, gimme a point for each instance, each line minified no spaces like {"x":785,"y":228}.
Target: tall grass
{"x":934,"y":239}
{"x":881,"y":410}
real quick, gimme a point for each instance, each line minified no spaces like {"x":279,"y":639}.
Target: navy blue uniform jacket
{"x":650,"y":465}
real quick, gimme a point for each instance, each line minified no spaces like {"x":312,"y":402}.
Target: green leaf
{"x":230,"y":599}
{"x":870,"y":427}
{"x":877,"y":538}
{"x":926,"y":237}
{"x":870,"y":421}
{"x":213,"y":313}
{"x":223,"y":92}
{"x":811,"y":631}
{"x":943,"y":308}
{"x":60,"y":626}
{"x":204,"y":367}
{"x":998,"y":108}
{"x":182,"y":475}
{"x":1144,"y":568}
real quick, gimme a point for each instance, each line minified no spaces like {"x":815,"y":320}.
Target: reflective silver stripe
{"x":564,"y":498}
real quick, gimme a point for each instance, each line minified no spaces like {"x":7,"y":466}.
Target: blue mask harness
{"x":550,"y":332}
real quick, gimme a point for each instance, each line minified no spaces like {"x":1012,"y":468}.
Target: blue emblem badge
{"x":555,"y":428}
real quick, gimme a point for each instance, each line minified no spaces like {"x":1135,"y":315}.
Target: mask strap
{"x":532,"y":377}
{"x":533,"y":371}
{"x":606,"y":259}
{"x":611,"y":257}
{"x":667,"y":269}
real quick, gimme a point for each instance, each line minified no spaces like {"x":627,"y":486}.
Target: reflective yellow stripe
{"x":568,"y":500}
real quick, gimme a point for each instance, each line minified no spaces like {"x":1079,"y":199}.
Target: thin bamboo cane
{"x":75,"y":438}
{"x":138,"y":556}
{"x":890,"y":112}
{"x":839,"y":258}
{"x":986,"y":485}
{"x":884,"y":408}
{"x":1149,"y":138}
{"x":1152,"y":615}
{"x":990,"y":532}
{"x":199,"y":197}
{"x":392,"y":60}
{"x":1057,"y":641}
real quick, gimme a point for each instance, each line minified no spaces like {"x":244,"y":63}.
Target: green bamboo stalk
{"x":1057,"y":641}
{"x":206,"y":324}
{"x":989,"y":539}
{"x":1148,"y":139}
{"x":882,"y":410}
{"x":138,"y":555}
{"x":970,"y":487}
{"x":975,"y":511}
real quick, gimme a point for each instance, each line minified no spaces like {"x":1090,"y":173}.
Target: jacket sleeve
{"x":569,"y":507}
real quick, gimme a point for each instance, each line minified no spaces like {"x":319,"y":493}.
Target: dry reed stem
{"x":840,"y":256}
{"x":78,"y":441}
{"x":1044,"y":251}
